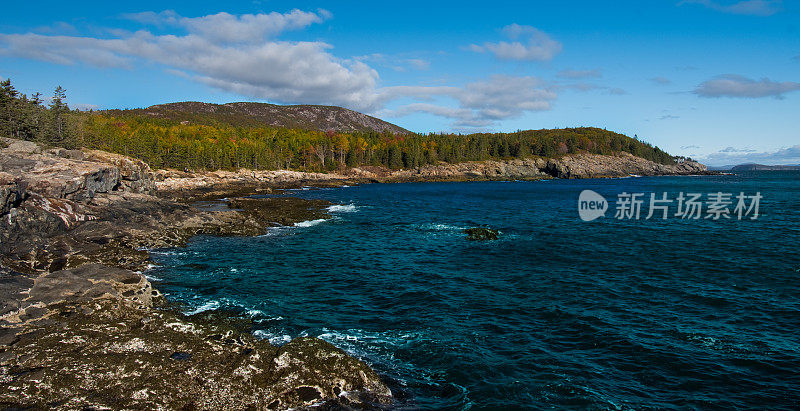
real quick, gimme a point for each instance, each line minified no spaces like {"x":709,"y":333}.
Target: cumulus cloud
{"x":227,"y":28}
{"x":733,"y":156}
{"x":528,"y":44}
{"x":745,"y":7}
{"x":245,"y":55}
{"x":480,"y":103}
{"x":578,"y":74}
{"x":282,"y":71}
{"x":732,"y":85}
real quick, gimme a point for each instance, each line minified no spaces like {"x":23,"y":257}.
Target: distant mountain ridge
{"x":309,"y":117}
{"x":754,"y":167}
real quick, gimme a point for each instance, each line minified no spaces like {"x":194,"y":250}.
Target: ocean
{"x":614,"y":313}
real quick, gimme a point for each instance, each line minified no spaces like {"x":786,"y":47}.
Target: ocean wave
{"x":150,"y":277}
{"x":273,"y":338}
{"x":309,"y":223}
{"x":342,"y":208}
{"x":208,"y":306}
{"x":440,"y":227}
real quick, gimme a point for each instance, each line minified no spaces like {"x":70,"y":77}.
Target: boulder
{"x":481,"y":234}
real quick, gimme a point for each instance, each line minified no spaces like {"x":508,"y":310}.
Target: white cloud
{"x":536,"y":45}
{"x":480,"y":103}
{"x":746,"y":7}
{"x":732,"y":85}
{"x":227,"y":28}
{"x":244,"y":55}
{"x":282,"y":71}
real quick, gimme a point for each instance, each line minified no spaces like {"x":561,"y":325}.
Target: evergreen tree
{"x":58,"y":117}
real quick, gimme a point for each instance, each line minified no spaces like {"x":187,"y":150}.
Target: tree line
{"x":28,"y":118}
{"x":212,"y":145}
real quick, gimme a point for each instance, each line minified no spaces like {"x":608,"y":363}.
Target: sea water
{"x":556,"y":313}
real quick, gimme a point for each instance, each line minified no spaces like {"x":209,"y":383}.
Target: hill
{"x":204,"y":136}
{"x":247,"y":114}
{"x":762,"y":167}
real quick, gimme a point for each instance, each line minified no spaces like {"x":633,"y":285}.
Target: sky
{"x":716,"y":80}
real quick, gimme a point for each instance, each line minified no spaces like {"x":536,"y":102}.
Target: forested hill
{"x":211,"y":137}
{"x":244,"y":114}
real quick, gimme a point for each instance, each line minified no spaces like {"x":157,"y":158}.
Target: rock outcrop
{"x":81,"y":327}
{"x":572,"y":166}
{"x":481,"y":234}
{"x":620,"y":165}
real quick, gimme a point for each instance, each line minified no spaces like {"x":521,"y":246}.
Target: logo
{"x":687,"y":206}
{"x":591,"y":205}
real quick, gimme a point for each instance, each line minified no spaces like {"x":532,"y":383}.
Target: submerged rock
{"x":481,"y":234}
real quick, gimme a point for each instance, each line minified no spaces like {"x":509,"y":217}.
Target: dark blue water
{"x":558,"y":313}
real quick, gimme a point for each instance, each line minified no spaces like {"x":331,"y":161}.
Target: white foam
{"x":440,"y":227}
{"x":209,"y":306}
{"x":274,"y":339}
{"x":343,"y":208}
{"x":309,"y":223}
{"x":150,"y":277}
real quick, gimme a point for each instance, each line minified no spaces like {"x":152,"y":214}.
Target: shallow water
{"x":556,"y":313}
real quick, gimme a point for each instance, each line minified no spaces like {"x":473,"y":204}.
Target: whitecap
{"x":309,"y":223}
{"x":209,"y":306}
{"x":342,"y":208}
{"x":274,"y":339}
{"x":440,"y":227}
{"x":151,"y":277}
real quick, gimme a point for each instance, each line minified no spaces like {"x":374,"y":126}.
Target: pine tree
{"x":58,"y":114}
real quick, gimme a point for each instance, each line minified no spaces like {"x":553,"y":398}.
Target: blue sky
{"x":717,"y":80}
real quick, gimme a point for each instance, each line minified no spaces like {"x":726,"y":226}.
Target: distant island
{"x":755,"y":167}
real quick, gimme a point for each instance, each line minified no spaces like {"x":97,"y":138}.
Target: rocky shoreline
{"x":80,"y":326}
{"x":213,"y":184}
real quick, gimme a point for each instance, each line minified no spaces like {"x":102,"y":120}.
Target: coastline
{"x":75,"y":231}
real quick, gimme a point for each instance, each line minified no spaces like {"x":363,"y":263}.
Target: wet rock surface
{"x":81,"y":327}
{"x":481,"y":234}
{"x":109,"y":355}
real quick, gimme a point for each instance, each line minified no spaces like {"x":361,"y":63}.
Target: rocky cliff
{"x":620,"y":165}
